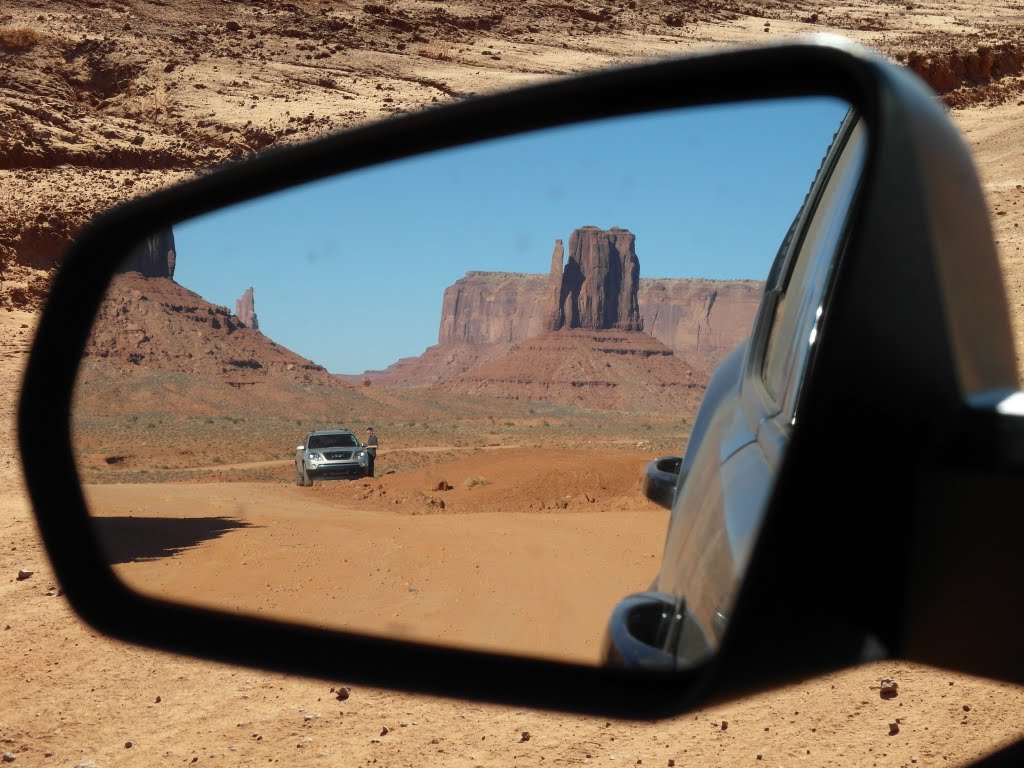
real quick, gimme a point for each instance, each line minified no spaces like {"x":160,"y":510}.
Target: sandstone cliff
{"x":493,"y":308}
{"x":701,"y":320}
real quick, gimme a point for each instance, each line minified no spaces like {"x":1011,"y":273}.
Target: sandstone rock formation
{"x":485,"y":314}
{"x":592,"y":353}
{"x":555,"y":287}
{"x":700,"y":320}
{"x":245,"y":309}
{"x":153,"y":257}
{"x":598,"y":285}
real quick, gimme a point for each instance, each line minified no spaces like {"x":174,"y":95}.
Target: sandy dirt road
{"x":538,"y":584}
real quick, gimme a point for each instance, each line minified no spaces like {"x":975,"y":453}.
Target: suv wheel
{"x":301,"y":478}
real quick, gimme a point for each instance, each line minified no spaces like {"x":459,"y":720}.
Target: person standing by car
{"x":371,"y":450}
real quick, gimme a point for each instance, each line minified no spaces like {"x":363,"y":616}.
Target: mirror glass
{"x":525,"y":323}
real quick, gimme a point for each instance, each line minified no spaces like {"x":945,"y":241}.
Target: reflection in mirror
{"x":525,"y":323}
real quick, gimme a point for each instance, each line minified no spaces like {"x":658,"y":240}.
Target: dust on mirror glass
{"x":524,"y":323}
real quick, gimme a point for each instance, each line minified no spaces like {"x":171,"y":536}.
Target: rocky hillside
{"x":154,"y":323}
{"x":597,"y":369}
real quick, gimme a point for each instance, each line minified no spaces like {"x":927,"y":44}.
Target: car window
{"x":332,"y":441}
{"x":799,"y":309}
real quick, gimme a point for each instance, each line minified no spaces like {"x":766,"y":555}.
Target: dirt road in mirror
{"x":530,"y":583}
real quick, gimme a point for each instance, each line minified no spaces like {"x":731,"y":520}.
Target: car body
{"x":329,"y":454}
{"x":719,"y":490}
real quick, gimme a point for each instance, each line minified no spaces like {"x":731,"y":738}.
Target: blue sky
{"x":350,"y":271}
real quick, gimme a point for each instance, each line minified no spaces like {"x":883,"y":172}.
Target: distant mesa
{"x":592,"y":352}
{"x":596,"y":286}
{"x":245,"y":310}
{"x":153,"y":257}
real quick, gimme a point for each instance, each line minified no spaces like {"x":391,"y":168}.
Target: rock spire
{"x":245,"y":310}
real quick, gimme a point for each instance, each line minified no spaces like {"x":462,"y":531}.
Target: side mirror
{"x":661,"y":479}
{"x":896,"y":318}
{"x":300,"y":447}
{"x":637,"y":631}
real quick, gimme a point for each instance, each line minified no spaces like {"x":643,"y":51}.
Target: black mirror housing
{"x":943,"y":339}
{"x":662,"y":477}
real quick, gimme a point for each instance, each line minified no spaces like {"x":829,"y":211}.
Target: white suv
{"x":327,"y":454}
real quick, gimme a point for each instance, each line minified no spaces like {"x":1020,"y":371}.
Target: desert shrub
{"x":476,"y":480}
{"x":18,"y":39}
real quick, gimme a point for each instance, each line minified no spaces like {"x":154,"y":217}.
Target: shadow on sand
{"x":130,"y":539}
